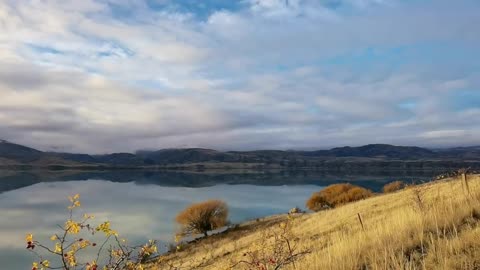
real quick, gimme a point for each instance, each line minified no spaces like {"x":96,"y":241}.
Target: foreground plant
{"x":277,"y":249}
{"x":65,"y":249}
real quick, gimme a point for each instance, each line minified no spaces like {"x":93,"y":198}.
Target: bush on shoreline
{"x":335,"y":195}
{"x":393,"y":186}
{"x":199,"y":218}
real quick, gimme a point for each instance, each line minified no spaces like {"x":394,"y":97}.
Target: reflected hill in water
{"x":11,"y":180}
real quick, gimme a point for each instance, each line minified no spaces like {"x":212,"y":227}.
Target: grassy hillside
{"x":432,"y":226}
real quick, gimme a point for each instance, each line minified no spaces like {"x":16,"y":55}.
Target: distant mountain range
{"x":368,"y":156}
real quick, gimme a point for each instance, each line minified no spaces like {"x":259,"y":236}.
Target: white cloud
{"x":444,"y":133}
{"x":77,"y":75}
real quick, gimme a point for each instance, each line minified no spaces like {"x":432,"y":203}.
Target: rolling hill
{"x":372,"y":156}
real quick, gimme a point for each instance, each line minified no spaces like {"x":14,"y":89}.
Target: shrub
{"x":67,"y":247}
{"x":202,"y":217}
{"x":393,"y":186}
{"x":277,"y":248}
{"x":335,"y":195}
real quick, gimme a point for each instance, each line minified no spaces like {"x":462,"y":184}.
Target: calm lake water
{"x":142,"y":205}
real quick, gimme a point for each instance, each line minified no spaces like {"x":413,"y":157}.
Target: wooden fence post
{"x":361,"y":220}
{"x":465,"y":180}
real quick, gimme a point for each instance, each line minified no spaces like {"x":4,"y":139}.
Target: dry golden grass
{"x":432,"y":226}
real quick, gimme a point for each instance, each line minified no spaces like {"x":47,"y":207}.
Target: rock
{"x":295,"y":210}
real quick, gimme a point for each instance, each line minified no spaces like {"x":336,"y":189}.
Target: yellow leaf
{"x":29,"y":237}
{"x":72,"y":227}
{"x":46,"y":263}
{"x":58,"y":248}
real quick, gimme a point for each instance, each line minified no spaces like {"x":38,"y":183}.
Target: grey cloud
{"x":274,"y":123}
{"x":238,"y":80}
{"x":19,"y":81}
{"x":305,"y":40}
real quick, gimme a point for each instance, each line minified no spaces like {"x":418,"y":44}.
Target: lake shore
{"x":433,"y":226}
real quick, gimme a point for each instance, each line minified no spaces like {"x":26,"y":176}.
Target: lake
{"x":142,"y":205}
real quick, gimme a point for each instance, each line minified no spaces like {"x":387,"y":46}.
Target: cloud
{"x":104,"y":76}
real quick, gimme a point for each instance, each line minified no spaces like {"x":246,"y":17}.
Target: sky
{"x":106,"y":76}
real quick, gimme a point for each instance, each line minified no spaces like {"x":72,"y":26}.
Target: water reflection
{"x":139,"y":212}
{"x":11,"y":180}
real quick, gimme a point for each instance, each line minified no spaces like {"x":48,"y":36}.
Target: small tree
{"x":199,"y":218}
{"x":393,"y":186}
{"x":77,"y":235}
{"x":335,"y":195}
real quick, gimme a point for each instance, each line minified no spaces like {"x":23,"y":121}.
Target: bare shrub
{"x":278,"y":248}
{"x":418,"y":200}
{"x":393,"y":186}
{"x":335,"y":195}
{"x":199,"y":218}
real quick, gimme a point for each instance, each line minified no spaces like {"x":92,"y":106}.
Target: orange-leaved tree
{"x":335,"y":195}
{"x":199,"y":218}
{"x":393,"y":186}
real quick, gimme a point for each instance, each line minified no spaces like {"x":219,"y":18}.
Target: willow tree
{"x":199,"y":218}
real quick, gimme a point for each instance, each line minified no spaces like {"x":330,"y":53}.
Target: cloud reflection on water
{"x":138,"y":212}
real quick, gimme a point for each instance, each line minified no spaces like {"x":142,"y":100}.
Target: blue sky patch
{"x":42,"y":49}
{"x":465,"y":99}
{"x":200,"y":9}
